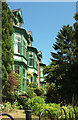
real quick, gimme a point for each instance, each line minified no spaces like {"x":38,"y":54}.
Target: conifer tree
{"x":7,"y":47}
{"x":61,"y":68}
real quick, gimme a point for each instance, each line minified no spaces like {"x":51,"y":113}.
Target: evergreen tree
{"x":60,"y":71}
{"x":7,"y":47}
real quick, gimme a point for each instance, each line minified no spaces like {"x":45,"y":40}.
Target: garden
{"x":61,"y":76}
{"x":35,"y":101}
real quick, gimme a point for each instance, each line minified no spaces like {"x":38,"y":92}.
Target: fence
{"x":61,"y":110}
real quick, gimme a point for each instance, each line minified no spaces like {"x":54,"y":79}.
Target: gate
{"x":43,"y":112}
{"x":28,"y":114}
{"x":61,"y":114}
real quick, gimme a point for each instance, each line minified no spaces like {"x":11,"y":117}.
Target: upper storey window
{"x":17,"y":44}
{"x":41,"y":71}
{"x":30,"y":58}
{"x":24,"y":47}
{"x":35,"y":61}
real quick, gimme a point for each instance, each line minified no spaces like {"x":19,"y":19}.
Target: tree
{"x":7,"y":46}
{"x":60,"y":70}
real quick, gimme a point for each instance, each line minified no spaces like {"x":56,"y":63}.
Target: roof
{"x":19,"y":14}
{"x":32,"y":49}
{"x":40,"y":53}
{"x":15,"y":10}
{"x":42,"y":64}
{"x":22,"y":30}
{"x":30,"y":35}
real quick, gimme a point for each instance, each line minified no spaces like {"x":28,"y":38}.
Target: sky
{"x":45,"y":19}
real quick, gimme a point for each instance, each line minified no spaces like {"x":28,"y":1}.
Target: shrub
{"x":13,"y":82}
{"x":6,"y":107}
{"x":30,"y":92}
{"x":39,"y":91}
{"x":32,"y":103}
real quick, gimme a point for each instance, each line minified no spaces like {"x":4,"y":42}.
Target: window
{"x":24,"y":47}
{"x":35,"y":61}
{"x":24,"y":72}
{"x":41,"y":85}
{"x":17,"y":69}
{"x":24,"y":78}
{"x":35,"y":79}
{"x":41,"y":72}
{"x":31,"y":79}
{"x":24,"y":83}
{"x":17,"y":44}
{"x":30,"y":59}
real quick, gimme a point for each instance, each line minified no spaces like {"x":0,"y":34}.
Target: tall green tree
{"x":7,"y":47}
{"x":60,"y":71}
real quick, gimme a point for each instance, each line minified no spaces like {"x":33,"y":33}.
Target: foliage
{"x":7,"y":49}
{"x":13,"y":82}
{"x":8,"y":107}
{"x":52,"y":94}
{"x":34,"y":89}
{"x":31,"y":103}
{"x":62,"y":66}
{"x":30,"y":92}
{"x":37,"y":105}
{"x":39,"y":91}
{"x":29,"y":75}
{"x":32,"y":85}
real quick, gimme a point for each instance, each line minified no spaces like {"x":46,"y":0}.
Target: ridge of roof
{"x":15,"y":10}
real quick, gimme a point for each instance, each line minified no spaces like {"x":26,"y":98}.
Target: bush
{"x":21,"y":100}
{"x":37,"y":105}
{"x":52,"y":95}
{"x":32,"y":103}
{"x":39,"y":91}
{"x":30,"y":92}
{"x":9,"y":97}
{"x":7,"y":107}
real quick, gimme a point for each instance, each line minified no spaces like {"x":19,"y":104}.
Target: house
{"x":26,"y":57}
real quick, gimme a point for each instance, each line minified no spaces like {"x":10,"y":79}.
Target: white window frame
{"x":41,"y":71}
{"x":16,"y":48}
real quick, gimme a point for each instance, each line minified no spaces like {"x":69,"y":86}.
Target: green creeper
{"x":7,"y":45}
